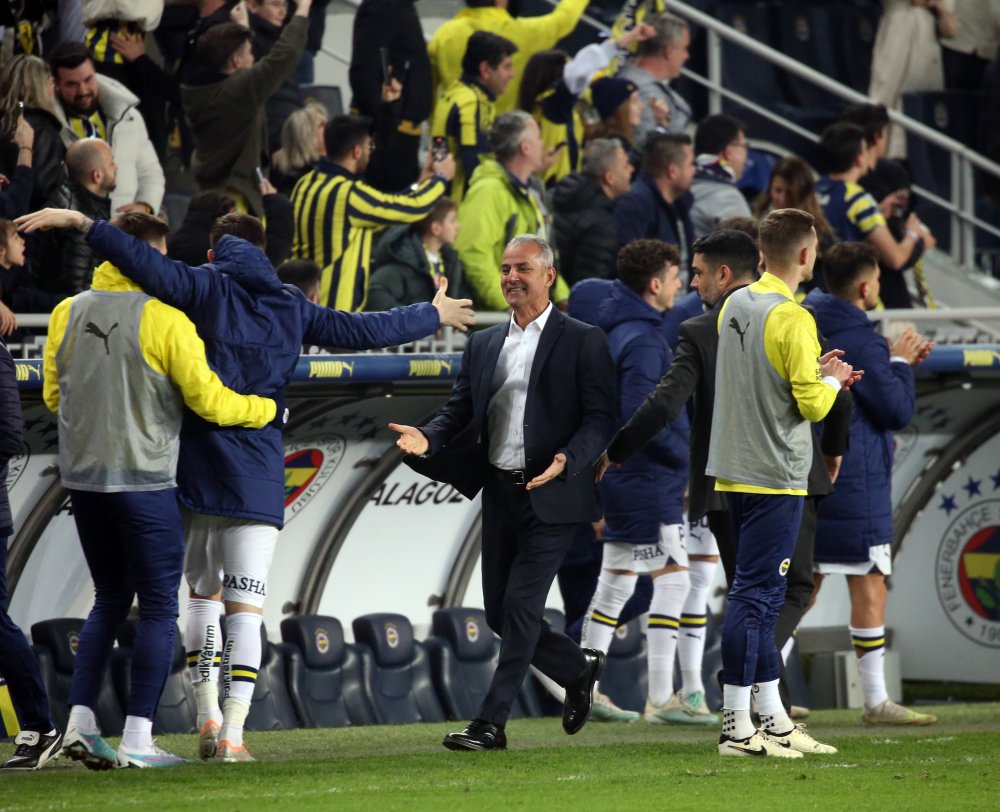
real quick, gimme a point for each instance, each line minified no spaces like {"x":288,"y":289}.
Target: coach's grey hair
{"x":545,"y":252}
{"x":599,"y":156}
{"x":669,"y":30}
{"x":507,"y":133}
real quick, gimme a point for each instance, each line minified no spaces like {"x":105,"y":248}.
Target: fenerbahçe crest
{"x":308,"y":465}
{"x":967,"y":572}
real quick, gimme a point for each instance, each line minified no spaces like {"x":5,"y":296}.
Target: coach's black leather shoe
{"x":580,"y":694}
{"x":479,"y":735}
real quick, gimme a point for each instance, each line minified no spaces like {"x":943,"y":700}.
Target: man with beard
{"x":92,"y":106}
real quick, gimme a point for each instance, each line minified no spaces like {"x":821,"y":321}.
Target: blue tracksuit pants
{"x":19,"y":666}
{"x":134,"y":546}
{"x":765,"y":527}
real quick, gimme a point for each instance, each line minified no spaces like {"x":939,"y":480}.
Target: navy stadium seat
{"x":271,"y":707}
{"x":742,"y":71}
{"x":177,"y":711}
{"x":325,"y":673}
{"x":806,"y":33}
{"x":399,"y":681}
{"x":626,"y":676}
{"x":327,"y":95}
{"x":464,"y":653}
{"x":55,"y":645}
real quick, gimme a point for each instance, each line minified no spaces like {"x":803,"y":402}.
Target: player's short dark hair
{"x":872,"y":118}
{"x":484,"y":46}
{"x":785,"y":232}
{"x":237,"y":224}
{"x":219,"y":43}
{"x":844,"y":263}
{"x":717,"y":132}
{"x":841,"y":144}
{"x":68,"y":55}
{"x":303,"y":273}
{"x":641,"y":260}
{"x":344,"y":133}
{"x":146,"y":227}
{"x":729,"y":247}
{"x":661,"y":150}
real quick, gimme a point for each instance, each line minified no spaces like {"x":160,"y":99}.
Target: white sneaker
{"x":798,"y":739}
{"x":890,"y":713}
{"x":759,"y":744}
{"x":605,"y":710}
{"x":678,"y":710}
{"x":151,"y":756}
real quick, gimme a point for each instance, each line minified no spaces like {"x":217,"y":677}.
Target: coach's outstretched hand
{"x":555,"y":469}
{"x":411,"y":440}
{"x":44,"y":219}
{"x":455,"y":313}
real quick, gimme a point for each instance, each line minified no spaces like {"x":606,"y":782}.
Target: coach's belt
{"x":516,"y":477}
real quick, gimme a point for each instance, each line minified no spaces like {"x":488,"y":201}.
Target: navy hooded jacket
{"x":253,"y":328}
{"x":858,"y":514}
{"x":648,"y":490}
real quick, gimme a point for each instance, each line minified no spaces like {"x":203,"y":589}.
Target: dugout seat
{"x":271,"y":707}
{"x":463,"y":653}
{"x":55,"y":642}
{"x":399,"y":679}
{"x":327,"y":95}
{"x":177,"y":711}
{"x":626,"y":675}
{"x":325,"y":680}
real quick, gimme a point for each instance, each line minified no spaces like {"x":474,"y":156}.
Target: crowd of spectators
{"x":592,"y":150}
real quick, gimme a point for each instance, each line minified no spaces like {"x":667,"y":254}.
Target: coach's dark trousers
{"x":521,"y":556}
{"x":134,"y":546}
{"x":19,"y":666}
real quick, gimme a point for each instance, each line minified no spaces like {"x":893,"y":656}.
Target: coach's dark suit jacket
{"x":570,"y":408}
{"x":693,"y":373}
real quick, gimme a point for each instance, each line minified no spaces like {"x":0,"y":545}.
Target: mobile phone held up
{"x":260,"y":175}
{"x":439,"y":148}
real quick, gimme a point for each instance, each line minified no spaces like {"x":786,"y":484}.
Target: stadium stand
{"x":177,"y":710}
{"x":325,"y":674}
{"x":463,"y":652}
{"x":271,"y":707}
{"x":329,"y":96}
{"x":399,"y":681}
{"x":55,"y":643}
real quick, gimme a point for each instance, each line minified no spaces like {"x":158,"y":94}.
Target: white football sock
{"x":669,"y":592}
{"x":234,"y":716}
{"x":138,"y":734}
{"x":736,"y":712}
{"x":773,"y":717}
{"x":871,"y":664}
{"x":241,"y":658}
{"x":694,"y":617}
{"x":601,"y":620}
{"x":203,"y":637}
{"x":82,"y":717}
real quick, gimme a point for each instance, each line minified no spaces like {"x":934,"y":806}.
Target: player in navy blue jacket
{"x":232,"y":480}
{"x":644,"y":499}
{"x":854,"y":530}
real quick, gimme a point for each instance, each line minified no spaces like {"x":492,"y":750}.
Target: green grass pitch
{"x":950,"y":765}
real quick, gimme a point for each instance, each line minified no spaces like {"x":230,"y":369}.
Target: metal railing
{"x":961,"y":206}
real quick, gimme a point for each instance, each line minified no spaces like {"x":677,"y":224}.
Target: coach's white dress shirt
{"x":509,"y":390}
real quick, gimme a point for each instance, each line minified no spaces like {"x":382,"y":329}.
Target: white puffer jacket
{"x":145,"y":12}
{"x":140,"y":176}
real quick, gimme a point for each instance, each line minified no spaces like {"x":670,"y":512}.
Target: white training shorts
{"x":233,"y":555}
{"x":642,"y":558}
{"x":698,"y":539}
{"x":879,"y":558}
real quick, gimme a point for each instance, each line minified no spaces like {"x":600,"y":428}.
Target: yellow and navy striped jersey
{"x":98,"y":39}
{"x":852,"y":212}
{"x":464,"y":115}
{"x":92,"y":126}
{"x":336,"y":215}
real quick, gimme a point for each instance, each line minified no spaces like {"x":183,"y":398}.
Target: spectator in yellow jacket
{"x":529,"y":34}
